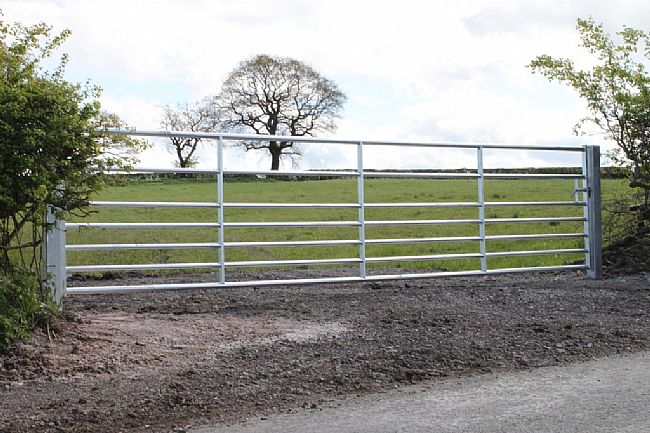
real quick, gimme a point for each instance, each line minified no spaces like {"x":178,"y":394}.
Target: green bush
{"x":52,"y":152}
{"x":20,"y":308}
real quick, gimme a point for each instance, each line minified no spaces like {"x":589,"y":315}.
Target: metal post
{"x":54,"y":255}
{"x":594,"y":213}
{"x":481,"y":208}
{"x":222,"y":248}
{"x":362,"y":211}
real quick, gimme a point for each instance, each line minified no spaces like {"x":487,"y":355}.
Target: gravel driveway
{"x":167,"y":361}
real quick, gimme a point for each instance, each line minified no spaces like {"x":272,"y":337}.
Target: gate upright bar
{"x":362,"y":211}
{"x":222,"y":244}
{"x":481,"y":208}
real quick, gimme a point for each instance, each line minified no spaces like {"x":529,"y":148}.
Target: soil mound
{"x":627,"y":256}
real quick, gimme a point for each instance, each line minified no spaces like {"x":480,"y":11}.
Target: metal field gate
{"x":585,"y":195}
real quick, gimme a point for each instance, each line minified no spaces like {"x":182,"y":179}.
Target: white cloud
{"x":137,"y":111}
{"x":416,"y":70}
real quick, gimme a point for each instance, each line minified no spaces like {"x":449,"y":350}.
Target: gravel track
{"x":167,"y":361}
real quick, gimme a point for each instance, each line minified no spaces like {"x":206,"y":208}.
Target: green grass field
{"x":334,"y":191}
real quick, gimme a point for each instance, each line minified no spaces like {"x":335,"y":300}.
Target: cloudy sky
{"x":437,"y":70}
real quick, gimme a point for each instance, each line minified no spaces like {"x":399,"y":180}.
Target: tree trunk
{"x":182,"y":162}
{"x":275,"y":160}
{"x":276,"y":152}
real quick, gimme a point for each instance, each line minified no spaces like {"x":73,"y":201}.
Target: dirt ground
{"x":167,"y":361}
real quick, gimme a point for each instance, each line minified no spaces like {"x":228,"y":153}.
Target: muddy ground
{"x":166,"y":361}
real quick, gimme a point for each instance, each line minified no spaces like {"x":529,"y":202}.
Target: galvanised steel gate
{"x":586,"y":191}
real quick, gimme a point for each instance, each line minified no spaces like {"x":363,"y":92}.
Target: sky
{"x":437,"y":70}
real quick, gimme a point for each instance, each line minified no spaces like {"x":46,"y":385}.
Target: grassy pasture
{"x":334,"y":191}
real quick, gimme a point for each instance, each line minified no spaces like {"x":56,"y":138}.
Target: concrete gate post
{"x":54,"y":254}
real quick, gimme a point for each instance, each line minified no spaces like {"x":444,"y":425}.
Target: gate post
{"x":54,"y":254}
{"x":594,"y":213}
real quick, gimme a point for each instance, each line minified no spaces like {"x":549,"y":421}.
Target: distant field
{"x":334,"y":191}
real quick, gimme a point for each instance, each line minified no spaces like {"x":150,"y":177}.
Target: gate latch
{"x":577,"y":191}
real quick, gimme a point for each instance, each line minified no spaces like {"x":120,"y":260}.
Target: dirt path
{"x":167,"y":361}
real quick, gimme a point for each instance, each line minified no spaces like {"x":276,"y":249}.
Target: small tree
{"x":195,"y":117}
{"x":278,"y":96}
{"x":617,"y":92}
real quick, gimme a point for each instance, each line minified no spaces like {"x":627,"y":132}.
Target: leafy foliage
{"x":617,"y":92}
{"x":278,"y":96}
{"x":48,"y":137}
{"x":19,"y":306}
{"x":52,"y":151}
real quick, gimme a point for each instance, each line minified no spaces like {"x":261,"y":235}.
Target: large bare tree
{"x":278,"y":96}
{"x":193,"y":117}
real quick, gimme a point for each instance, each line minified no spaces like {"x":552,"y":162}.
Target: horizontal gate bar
{"x":139,"y":267}
{"x":293,"y":205}
{"x":216,"y":225}
{"x":161,"y":246}
{"x":535,"y":252}
{"x":414,"y":204}
{"x":419,"y":222}
{"x":534,"y":220}
{"x":269,"y":283}
{"x":318,"y":223}
{"x":152,"y":204}
{"x":141,"y":225}
{"x":139,"y":170}
{"x":293,"y":243}
{"x":393,"y":174}
{"x":532,"y":176}
{"x":328,"y":173}
{"x":537,"y":269}
{"x":293,"y":173}
{"x":475,"y":204}
{"x":327,"y":205}
{"x":304,"y":139}
{"x":423,"y":240}
{"x":535,"y":236}
{"x":293,"y":224}
{"x":534,"y":203}
{"x":476,"y":146}
{"x":292,"y":262}
{"x":429,"y":257}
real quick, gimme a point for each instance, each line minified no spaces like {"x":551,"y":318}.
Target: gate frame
{"x":55,"y":239}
